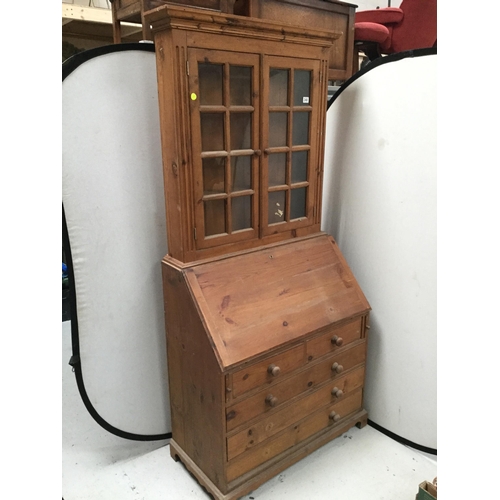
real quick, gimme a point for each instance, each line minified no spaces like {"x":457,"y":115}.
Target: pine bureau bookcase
{"x":266,"y":324}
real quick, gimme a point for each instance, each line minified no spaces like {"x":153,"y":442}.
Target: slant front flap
{"x":257,"y":301}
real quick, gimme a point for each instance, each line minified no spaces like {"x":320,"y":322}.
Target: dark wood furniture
{"x":315,"y":14}
{"x":133,"y":11}
{"x":266,"y":325}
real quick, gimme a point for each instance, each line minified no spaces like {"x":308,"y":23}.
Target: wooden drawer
{"x":294,"y":435}
{"x":270,"y":370}
{"x":333,"y":339}
{"x":332,"y":392}
{"x":258,"y":404}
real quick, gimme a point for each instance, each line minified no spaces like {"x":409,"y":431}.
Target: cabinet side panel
{"x":166,"y":101}
{"x":196,"y":382}
{"x":172,"y":309}
{"x":171,"y":64}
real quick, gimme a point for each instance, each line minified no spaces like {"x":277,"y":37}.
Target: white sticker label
{"x":305,"y":100}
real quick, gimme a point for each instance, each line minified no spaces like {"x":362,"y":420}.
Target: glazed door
{"x":290,"y":138}
{"x":224,"y":111}
{"x":241,"y":194}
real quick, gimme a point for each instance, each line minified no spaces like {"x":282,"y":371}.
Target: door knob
{"x":271,"y":400}
{"x":273,"y":370}
{"x":337,"y":368}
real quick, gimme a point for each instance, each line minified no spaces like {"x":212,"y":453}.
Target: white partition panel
{"x":380,"y":205}
{"x":113,"y":199}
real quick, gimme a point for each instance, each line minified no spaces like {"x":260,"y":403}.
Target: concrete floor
{"x":362,"y":464}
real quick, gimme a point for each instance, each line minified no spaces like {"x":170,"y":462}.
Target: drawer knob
{"x":338,"y":341}
{"x":337,"y":392}
{"x":271,"y":400}
{"x":337,"y":368}
{"x":273,"y":370}
{"x":334,"y":416}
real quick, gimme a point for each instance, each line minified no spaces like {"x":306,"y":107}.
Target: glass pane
{"x":278,"y":87}
{"x":215,"y":217}
{"x":300,"y":128}
{"x":214,"y":175}
{"x":212,"y":131}
{"x":240,"y":85}
{"x":241,"y":212}
{"x":241,"y":173}
{"x":277,"y":169}
{"x":276,"y":208}
{"x":297,"y":203}
{"x":301,"y":87}
{"x":210,"y":80}
{"x":241,"y":130}
{"x":278,"y":126}
{"x":299,"y":166}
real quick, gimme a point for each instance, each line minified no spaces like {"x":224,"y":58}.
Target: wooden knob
{"x":271,"y":400}
{"x":334,"y":416}
{"x":337,"y":368}
{"x":338,"y":341}
{"x":273,"y":370}
{"x":337,"y":392}
{"x":257,"y":152}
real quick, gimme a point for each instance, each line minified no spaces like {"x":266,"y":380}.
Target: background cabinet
{"x":330,"y":15}
{"x":315,"y":14}
{"x":133,"y":11}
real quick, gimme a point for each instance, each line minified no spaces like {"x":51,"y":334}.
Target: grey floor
{"x":362,"y":464}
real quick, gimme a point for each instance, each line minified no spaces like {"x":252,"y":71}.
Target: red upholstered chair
{"x":389,"y":30}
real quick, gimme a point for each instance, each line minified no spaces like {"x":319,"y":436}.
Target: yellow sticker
{"x":194,"y":97}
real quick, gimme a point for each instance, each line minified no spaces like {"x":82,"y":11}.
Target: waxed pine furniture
{"x":266,"y":325}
